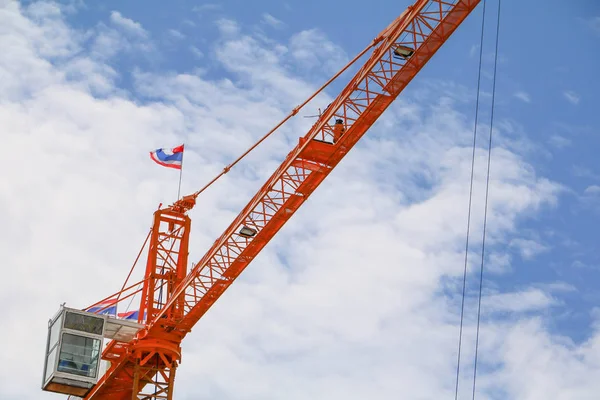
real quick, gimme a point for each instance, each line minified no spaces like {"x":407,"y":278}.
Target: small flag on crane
{"x":170,"y":158}
{"x":129,"y":315}
{"x":108,"y":307}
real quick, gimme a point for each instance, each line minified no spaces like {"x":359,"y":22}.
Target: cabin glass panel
{"x":79,"y":355}
{"x":84,"y":323}
{"x":50,"y":363}
{"x":55,"y":332}
{"x":52,"y":348}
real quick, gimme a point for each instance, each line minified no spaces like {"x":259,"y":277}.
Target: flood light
{"x":403,"y":51}
{"x":247,"y":232}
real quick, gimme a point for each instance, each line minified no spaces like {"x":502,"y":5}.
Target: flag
{"x":171,"y":158}
{"x":129,"y":315}
{"x":111,"y":307}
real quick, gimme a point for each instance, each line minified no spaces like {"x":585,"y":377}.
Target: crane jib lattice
{"x":173,"y":298}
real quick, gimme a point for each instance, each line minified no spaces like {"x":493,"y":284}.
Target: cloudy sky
{"x":359,"y":295}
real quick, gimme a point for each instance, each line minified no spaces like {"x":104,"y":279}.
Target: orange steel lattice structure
{"x":173,"y":299}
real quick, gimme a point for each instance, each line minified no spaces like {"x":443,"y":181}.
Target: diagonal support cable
{"x":462,"y":306}
{"x":487,"y":190}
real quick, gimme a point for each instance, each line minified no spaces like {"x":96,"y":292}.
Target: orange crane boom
{"x":173,"y":299}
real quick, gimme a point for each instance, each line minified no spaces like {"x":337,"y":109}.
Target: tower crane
{"x":142,"y":357}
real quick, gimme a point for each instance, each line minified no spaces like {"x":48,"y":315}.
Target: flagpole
{"x":180,"y":172}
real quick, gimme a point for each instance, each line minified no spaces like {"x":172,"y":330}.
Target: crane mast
{"x":173,"y":299}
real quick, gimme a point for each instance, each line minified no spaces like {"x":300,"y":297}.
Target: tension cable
{"x":477,"y":103}
{"x":462,"y":306}
{"x":487,"y":190}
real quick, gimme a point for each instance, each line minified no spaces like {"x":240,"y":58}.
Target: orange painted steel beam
{"x":151,"y":359}
{"x":145,"y":368}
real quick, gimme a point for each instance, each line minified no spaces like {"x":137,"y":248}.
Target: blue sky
{"x":546,"y":85}
{"x":98,"y":84}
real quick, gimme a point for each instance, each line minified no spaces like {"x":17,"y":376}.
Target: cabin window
{"x":79,"y":355}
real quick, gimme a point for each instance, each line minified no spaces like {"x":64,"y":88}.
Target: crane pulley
{"x":174,"y":298}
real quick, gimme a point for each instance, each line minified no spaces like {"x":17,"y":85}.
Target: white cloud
{"x":128,"y":25}
{"x":541,"y":366}
{"x":311,"y":49}
{"x":207,"y":7}
{"x":96,"y":77}
{"x":557,"y":287}
{"x":196,"y":52}
{"x":524,"y":301}
{"x":589,"y":198}
{"x":227,"y":27}
{"x":592,"y":190}
{"x":51,"y":38}
{"x":584,"y":172}
{"x":271,"y":20}
{"x":594,"y":24}
{"x":176,"y":34}
{"x":578,"y":264}
{"x":108,"y":43}
{"x":528,"y":248}
{"x":125,"y":36}
{"x":498,"y":263}
{"x":188,"y":23}
{"x":474,"y":50}
{"x":523,"y":96}
{"x":572,"y":97}
{"x":349,"y":286}
{"x":559,"y":141}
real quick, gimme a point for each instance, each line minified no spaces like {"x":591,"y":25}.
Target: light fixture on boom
{"x":247,"y":232}
{"x":404,"y":52}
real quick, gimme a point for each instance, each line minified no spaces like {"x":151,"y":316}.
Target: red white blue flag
{"x":129,"y":315}
{"x":170,"y":158}
{"x":108,"y":307}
